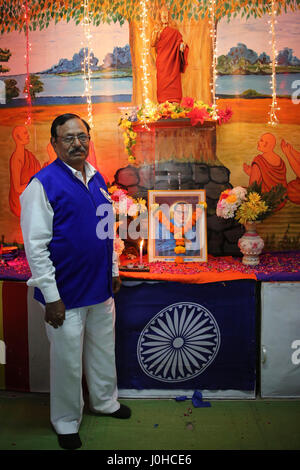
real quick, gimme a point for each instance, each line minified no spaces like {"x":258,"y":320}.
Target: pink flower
{"x":118,"y":195}
{"x":129,"y":202}
{"x":187,"y":102}
{"x":118,"y":245}
{"x":198,"y":115}
{"x":224,"y":115}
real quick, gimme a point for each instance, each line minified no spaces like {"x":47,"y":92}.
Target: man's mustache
{"x":76,"y":150}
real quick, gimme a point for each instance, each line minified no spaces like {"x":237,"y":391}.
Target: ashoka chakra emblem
{"x":178,"y":343}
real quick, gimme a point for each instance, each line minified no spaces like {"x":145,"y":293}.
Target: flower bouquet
{"x":126,"y":208}
{"x":248,"y":206}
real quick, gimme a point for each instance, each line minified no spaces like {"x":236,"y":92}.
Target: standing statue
{"x":171,"y":58}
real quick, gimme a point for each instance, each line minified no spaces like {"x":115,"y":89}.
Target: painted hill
{"x":119,"y":58}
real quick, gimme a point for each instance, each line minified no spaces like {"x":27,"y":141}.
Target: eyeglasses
{"x":83,"y":138}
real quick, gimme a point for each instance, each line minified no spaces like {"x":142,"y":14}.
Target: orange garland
{"x":176,"y":230}
{"x":180,"y":242}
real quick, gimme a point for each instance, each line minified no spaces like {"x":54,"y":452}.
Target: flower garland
{"x":180,"y":242}
{"x":195,"y":110}
{"x":129,"y":137}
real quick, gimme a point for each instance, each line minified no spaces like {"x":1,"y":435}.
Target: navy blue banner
{"x":185,"y":336}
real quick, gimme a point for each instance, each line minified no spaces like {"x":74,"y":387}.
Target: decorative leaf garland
{"x":105,"y":11}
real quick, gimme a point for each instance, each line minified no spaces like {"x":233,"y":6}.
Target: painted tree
{"x":11,"y":89}
{"x":35,"y":86}
{"x":192,"y":18}
{"x":5,"y":55}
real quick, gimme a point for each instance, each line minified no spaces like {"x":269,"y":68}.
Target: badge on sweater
{"x":106,"y":195}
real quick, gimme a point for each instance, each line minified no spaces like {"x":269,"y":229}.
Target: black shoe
{"x":122,"y":413}
{"x":69,"y":441}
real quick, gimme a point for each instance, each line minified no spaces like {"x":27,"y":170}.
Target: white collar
{"x":89,"y":169}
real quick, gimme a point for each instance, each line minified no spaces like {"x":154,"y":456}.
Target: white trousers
{"x":86,"y":340}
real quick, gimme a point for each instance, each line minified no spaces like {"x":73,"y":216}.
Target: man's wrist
{"x":50,"y":294}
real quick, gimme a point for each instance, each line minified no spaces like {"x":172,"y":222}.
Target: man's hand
{"x":116,"y":284}
{"x":55,"y":313}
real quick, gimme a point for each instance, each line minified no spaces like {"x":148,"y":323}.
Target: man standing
{"x":75,"y":277}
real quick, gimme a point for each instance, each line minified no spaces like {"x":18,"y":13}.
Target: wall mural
{"x":52,"y":50}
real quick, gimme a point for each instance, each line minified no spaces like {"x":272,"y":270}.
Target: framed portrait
{"x":177,"y":225}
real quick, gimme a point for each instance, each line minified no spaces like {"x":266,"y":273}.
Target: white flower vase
{"x":251,"y":244}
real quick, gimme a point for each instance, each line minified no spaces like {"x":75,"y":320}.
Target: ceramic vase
{"x":251,"y":244}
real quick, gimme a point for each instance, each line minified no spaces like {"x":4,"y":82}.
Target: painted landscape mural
{"x":56,"y":47}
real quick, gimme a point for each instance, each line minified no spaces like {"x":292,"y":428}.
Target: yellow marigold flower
{"x":131,"y":158}
{"x":231,"y":199}
{"x":125,"y":124}
{"x":112,"y":189}
{"x":254,"y":198}
{"x":179,"y":249}
{"x":132,"y":135}
{"x":141,"y":204}
{"x":249,"y":211}
{"x":141,"y":201}
{"x":174,"y":116}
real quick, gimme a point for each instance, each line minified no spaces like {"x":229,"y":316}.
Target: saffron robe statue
{"x":171,"y":59}
{"x":168,"y":66}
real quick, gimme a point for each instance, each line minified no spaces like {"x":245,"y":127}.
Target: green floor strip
{"x":158,"y":425}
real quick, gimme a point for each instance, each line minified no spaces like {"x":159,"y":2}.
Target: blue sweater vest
{"x":82,"y":261}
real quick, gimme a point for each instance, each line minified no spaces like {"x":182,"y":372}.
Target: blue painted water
{"x":236,"y":84}
{"x":73,"y":86}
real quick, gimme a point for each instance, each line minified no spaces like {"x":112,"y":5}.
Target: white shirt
{"x":36,"y":223}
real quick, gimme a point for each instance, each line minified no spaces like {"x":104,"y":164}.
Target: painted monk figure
{"x":293,"y":157}
{"x":51,"y":154}
{"x":93,"y":160}
{"x":22,"y":165}
{"x":268,"y":168}
{"x":169,"y":46}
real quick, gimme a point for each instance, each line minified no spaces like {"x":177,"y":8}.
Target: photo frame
{"x":177,"y":225}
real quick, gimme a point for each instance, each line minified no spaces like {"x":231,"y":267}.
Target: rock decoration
{"x":222,"y":235}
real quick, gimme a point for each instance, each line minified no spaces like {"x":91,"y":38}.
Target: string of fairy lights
{"x":144,"y":4}
{"x":86,"y":64}
{"x":144,"y":67}
{"x":273,"y":120}
{"x":213,"y":36}
{"x":27,"y":56}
